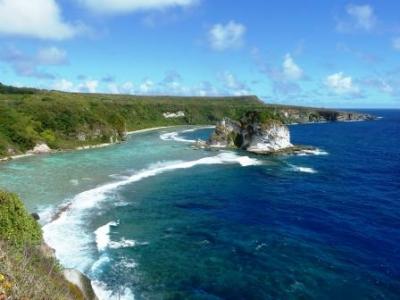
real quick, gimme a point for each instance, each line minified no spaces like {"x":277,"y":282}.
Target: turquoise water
{"x":154,"y":219}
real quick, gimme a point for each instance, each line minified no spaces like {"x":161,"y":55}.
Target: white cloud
{"x":146,"y":87}
{"x":233,"y":85}
{"x":124,"y":88}
{"x":64,"y":85}
{"x":89,"y":86}
{"x":341,"y":84}
{"x":34,"y":18}
{"x":52,"y":56}
{"x":290,"y":69}
{"x":396,"y":43}
{"x":172,"y":84}
{"x":31,"y":65}
{"x":126,"y":6}
{"x":230,"y":35}
{"x":359,"y":17}
{"x":363,"y":15}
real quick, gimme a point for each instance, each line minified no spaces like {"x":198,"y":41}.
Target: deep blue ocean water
{"x":145,"y":223}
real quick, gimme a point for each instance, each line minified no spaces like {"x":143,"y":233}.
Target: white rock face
{"x":274,"y":138}
{"x":251,"y":135}
{"x":40,"y":149}
{"x":171,"y":115}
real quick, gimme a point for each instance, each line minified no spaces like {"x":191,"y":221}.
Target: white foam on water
{"x":74,"y":181}
{"x":123,"y":244}
{"x":102,"y":293}
{"x":45,"y":214}
{"x":303,"y":169}
{"x":103,"y":235}
{"x":103,"y":239}
{"x":315,"y":151}
{"x":118,"y":176}
{"x":129,"y":263}
{"x":67,"y":234}
{"x":174,"y":136}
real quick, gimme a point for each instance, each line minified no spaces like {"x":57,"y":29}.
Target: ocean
{"x":153,"y":218}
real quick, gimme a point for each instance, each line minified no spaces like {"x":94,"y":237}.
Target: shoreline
{"x":94,"y":146}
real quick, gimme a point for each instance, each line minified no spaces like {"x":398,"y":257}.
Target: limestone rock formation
{"x":40,"y":148}
{"x":251,"y":134}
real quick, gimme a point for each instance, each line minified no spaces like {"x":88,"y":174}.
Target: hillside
{"x":68,"y":120}
{"x":27,"y":271}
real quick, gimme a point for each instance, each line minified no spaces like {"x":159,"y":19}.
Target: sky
{"x":329,"y":53}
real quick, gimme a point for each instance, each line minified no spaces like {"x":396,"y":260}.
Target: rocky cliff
{"x":291,"y":115}
{"x":251,"y":134}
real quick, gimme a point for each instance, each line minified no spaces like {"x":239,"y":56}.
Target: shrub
{"x":17,"y":226}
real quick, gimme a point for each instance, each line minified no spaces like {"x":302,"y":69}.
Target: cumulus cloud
{"x":65,"y":85}
{"x":34,"y":18}
{"x":396,"y":43}
{"x":284,"y":79}
{"x":341,"y":84}
{"x":226,"y":36}
{"x":290,"y":69}
{"x":127,"y":6}
{"x":171,"y":84}
{"x":359,"y":17}
{"x":29,"y":65}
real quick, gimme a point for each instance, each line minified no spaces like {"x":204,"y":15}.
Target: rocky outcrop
{"x":82,"y":282}
{"x":270,"y":138}
{"x":79,"y":283}
{"x":99,"y":134}
{"x":251,"y":134}
{"x":174,"y":115}
{"x":40,"y":148}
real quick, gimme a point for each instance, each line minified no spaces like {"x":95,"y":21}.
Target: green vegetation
{"x":17,"y":227}
{"x":26,"y":270}
{"x":68,"y":120}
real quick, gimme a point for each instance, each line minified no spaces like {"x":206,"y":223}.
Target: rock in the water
{"x":35,"y":216}
{"x":270,"y":138}
{"x":251,"y":134}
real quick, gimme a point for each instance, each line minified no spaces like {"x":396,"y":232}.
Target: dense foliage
{"x":67,"y":120}
{"x":26,"y":271}
{"x":17,"y":226}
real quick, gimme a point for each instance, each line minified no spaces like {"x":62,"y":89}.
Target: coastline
{"x":88,"y":147}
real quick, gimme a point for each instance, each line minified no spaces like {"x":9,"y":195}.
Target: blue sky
{"x":310,"y":52}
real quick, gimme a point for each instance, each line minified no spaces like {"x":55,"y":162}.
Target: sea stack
{"x":253,"y":133}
